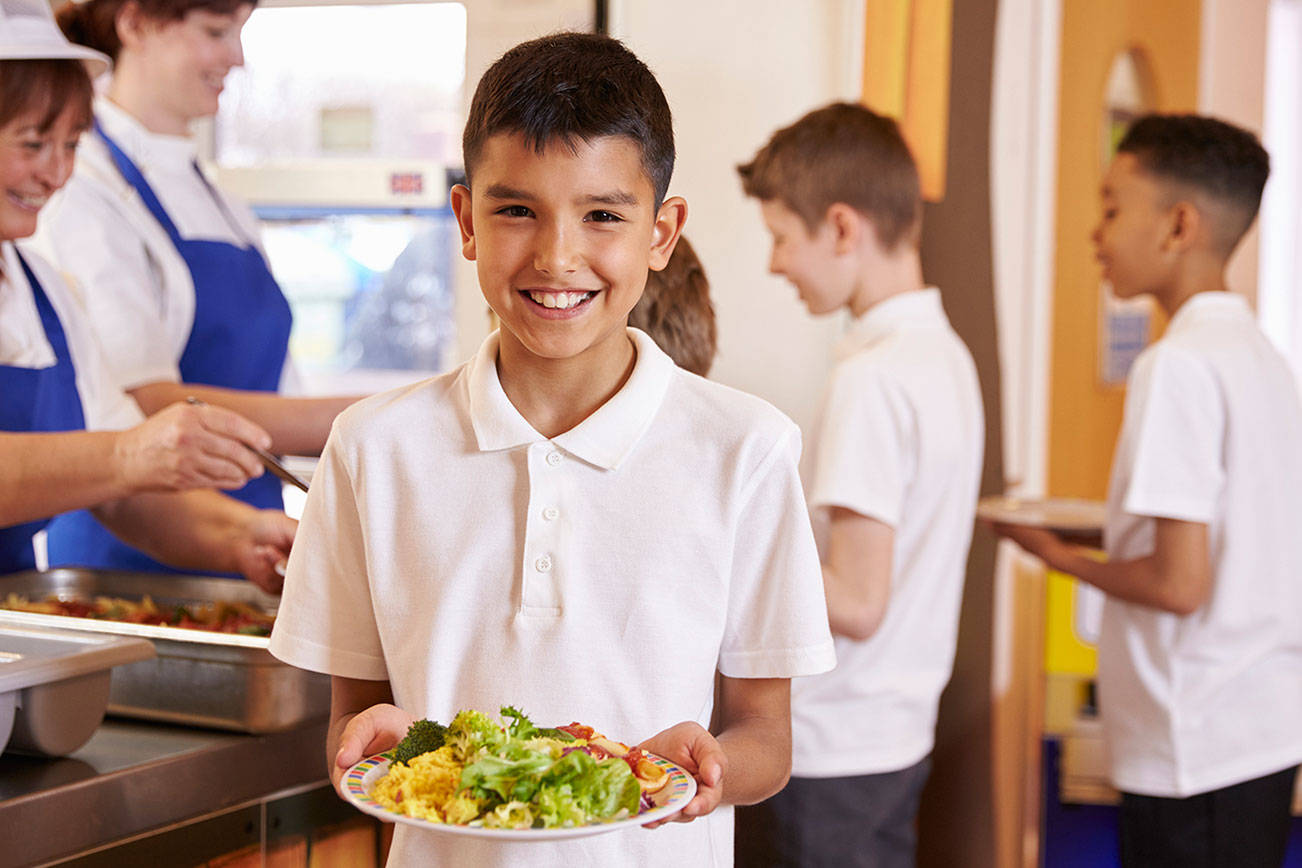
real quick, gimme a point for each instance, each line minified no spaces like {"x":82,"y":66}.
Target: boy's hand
{"x":1044,"y":544}
{"x":369,"y":732}
{"x":689,"y":745}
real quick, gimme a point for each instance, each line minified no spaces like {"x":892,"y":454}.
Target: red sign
{"x":406,"y":183}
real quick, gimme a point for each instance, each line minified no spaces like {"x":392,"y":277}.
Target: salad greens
{"x":521,"y":776}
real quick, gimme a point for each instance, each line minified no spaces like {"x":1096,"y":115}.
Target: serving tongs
{"x":270,"y":461}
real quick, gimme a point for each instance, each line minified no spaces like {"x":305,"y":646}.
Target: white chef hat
{"x":28,"y":32}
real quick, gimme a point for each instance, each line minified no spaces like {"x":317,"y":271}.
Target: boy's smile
{"x":562,"y":241}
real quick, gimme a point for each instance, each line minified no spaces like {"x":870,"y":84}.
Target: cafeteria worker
{"x":148,"y":479}
{"x":170,"y":269}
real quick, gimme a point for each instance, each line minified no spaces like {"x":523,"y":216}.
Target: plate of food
{"x":515,"y":780}
{"x":1069,"y":517}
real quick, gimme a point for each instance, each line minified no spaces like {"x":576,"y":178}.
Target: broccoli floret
{"x":471,"y":731}
{"x":422,"y":736}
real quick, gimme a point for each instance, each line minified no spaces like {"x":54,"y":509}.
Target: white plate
{"x":1063,"y":515}
{"x":669,"y":800}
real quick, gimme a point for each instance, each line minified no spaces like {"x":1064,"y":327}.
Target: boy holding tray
{"x":1200,"y":651}
{"x":567,"y":522}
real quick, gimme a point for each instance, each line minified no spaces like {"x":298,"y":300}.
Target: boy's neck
{"x":1204,"y":274}
{"x":555,"y":395}
{"x":886,"y":276}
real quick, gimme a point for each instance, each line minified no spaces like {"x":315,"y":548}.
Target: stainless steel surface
{"x":54,"y":685}
{"x":132,"y":778}
{"x":223,"y":680}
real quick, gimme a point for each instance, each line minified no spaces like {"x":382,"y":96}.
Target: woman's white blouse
{"x":23,"y":343}
{"x":136,"y":287}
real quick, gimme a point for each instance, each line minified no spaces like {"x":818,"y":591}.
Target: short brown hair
{"x":94,"y":23}
{"x":48,"y":87}
{"x":845,"y":153}
{"x":570,"y":87}
{"x":675,"y":310}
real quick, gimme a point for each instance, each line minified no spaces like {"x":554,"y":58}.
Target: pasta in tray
{"x":220,"y":617}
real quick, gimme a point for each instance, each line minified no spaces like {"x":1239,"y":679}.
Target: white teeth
{"x":559,"y":300}
{"x":32,"y":201}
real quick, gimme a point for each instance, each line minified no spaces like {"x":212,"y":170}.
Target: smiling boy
{"x":568,"y":522}
{"x":1200,"y":655}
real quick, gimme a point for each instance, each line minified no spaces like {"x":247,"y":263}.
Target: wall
{"x":733,"y":71}
{"x":1232,"y":86}
{"x":1084,"y":415}
{"x":956,"y":819}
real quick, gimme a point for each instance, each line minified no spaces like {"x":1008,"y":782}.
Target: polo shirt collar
{"x":604,"y":439}
{"x":1202,"y":306}
{"x":920,"y":307}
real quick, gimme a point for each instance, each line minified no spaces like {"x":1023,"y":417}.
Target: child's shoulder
{"x":417,"y":406}
{"x":723,"y":413}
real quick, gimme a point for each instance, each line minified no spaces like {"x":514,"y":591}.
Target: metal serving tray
{"x":54,"y":685}
{"x":221,"y":680}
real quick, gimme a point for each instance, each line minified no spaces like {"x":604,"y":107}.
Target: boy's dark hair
{"x":675,"y":310}
{"x":1224,"y":162}
{"x":571,"y":87}
{"x":845,"y":153}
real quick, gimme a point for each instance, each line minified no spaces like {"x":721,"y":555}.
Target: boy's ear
{"x":459,"y":199}
{"x":664,"y":235}
{"x":847,"y":226}
{"x":1186,"y":222}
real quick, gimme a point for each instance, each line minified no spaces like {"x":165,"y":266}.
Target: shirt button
{"x":550,"y":513}
{"x":543,"y":564}
{"x":553,"y":458}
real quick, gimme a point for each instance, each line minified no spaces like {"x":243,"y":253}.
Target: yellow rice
{"x":422,"y":788}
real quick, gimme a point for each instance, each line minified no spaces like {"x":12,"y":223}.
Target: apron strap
{"x":136,"y":179}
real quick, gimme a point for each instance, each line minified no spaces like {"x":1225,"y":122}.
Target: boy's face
{"x":1130,"y":240}
{"x":807,"y":260}
{"x":563,"y":240}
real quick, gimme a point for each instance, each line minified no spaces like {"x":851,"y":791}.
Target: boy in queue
{"x":568,"y":522}
{"x":1200,"y":647}
{"x":892,"y":476}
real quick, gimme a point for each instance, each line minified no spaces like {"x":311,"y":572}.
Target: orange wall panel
{"x":1084,"y":414}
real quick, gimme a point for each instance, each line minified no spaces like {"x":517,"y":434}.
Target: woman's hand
{"x":693,"y":748}
{"x":372,"y":731}
{"x":186,"y":446}
{"x":262,"y":550}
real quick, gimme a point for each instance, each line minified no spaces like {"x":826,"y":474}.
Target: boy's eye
{"x":216,"y":32}
{"x":515,"y":211}
{"x":604,"y":217}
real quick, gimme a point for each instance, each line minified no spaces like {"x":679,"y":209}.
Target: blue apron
{"x":239,"y":340}
{"x":41,"y":399}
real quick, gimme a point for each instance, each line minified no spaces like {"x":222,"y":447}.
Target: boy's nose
{"x":555,"y":254}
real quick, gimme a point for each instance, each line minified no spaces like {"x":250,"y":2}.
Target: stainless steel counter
{"x":131,"y":778}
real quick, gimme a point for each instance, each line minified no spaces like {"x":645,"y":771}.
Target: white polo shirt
{"x":599,"y":576}
{"x":119,"y":259}
{"x":899,"y":439}
{"x":23,"y":343}
{"x":1212,"y":434}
